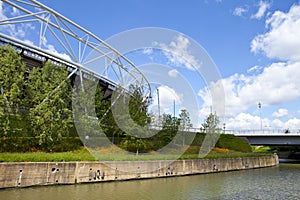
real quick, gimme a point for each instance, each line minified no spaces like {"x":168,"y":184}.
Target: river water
{"x":281,"y":182}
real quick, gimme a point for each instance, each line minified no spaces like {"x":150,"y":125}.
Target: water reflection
{"x":281,"y":182}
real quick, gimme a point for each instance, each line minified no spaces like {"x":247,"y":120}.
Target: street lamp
{"x":259,"y":107}
{"x":158,"y":104}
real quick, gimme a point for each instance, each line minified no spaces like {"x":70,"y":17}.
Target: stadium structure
{"x":80,"y":51}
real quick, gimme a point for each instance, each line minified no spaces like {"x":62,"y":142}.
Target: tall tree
{"x":185,"y":121}
{"x":169,"y":127}
{"x":86,"y":109}
{"x":50,"y":112}
{"x":130,"y":111}
{"x":131,"y":115}
{"x":12,"y":70}
{"x":185,"y":124}
{"x":211,"y":123}
{"x":138,"y":107}
{"x":170,"y":123}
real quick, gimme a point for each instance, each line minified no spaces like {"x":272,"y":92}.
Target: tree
{"x":49,"y":90}
{"x":212,"y":133}
{"x":131,"y":114}
{"x":138,"y":107}
{"x":88,"y":108}
{"x":185,"y":124}
{"x":211,"y":123}
{"x":12,"y":71}
{"x":169,"y":128}
{"x":170,"y":123}
{"x":185,"y":121}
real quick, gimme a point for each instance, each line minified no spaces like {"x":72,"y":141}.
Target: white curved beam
{"x":66,"y":32}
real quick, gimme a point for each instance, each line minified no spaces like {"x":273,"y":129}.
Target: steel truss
{"x":82,"y":47}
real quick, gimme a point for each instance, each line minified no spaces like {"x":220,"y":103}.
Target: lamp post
{"x":259,"y":107}
{"x":174,"y":114}
{"x":158,"y":104}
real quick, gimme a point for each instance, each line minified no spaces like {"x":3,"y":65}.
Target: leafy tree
{"x":185,"y":121}
{"x":12,"y":70}
{"x":185,"y":124}
{"x":210,"y":128}
{"x":211,"y":123}
{"x":88,"y":107}
{"x":49,"y":91}
{"x":169,"y":128}
{"x":138,"y":107}
{"x":170,"y":123}
{"x":130,"y":113}
{"x":105,"y":116}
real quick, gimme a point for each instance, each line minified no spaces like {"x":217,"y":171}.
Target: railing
{"x":241,"y":131}
{"x":263,"y":132}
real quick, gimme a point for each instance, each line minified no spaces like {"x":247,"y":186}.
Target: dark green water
{"x":281,"y":182}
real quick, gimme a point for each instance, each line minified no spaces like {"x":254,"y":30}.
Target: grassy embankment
{"x":84,"y":155}
{"x":228,"y":146}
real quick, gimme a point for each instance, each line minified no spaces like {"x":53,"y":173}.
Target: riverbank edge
{"x":27,"y":174}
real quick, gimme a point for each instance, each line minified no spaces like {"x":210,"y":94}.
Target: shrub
{"x":232,"y":142}
{"x":30,"y":144}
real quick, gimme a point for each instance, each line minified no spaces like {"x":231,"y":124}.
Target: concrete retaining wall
{"x":24,"y":174}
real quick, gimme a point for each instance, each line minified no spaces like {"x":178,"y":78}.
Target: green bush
{"x":31,"y":144}
{"x":232,"y":142}
{"x":198,"y":139}
{"x":18,"y":144}
{"x":225,"y":141}
{"x":19,"y":126}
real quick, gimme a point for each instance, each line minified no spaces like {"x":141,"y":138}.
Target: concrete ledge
{"x":25,"y":174}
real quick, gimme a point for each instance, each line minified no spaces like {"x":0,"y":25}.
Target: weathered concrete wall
{"x":50,"y":173}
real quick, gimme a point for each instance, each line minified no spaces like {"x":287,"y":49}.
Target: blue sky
{"x":254,"y":44}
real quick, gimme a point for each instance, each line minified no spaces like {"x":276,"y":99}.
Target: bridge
{"x":269,"y":137}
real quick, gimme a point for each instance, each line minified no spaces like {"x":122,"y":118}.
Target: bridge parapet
{"x":284,"y":132}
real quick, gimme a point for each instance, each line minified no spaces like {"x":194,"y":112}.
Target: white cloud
{"x":280,"y":113}
{"x":29,"y":42}
{"x":15,"y":11}
{"x":278,"y":83}
{"x":246,"y":121}
{"x":178,"y":53}
{"x":167,"y":95}
{"x":255,"y":68}
{"x":275,"y":84}
{"x":14,"y":30}
{"x":173,"y":73}
{"x":51,"y":49}
{"x":8,"y":28}
{"x":282,"y":41}
{"x":263,"y":6}
{"x":291,"y":124}
{"x":239,"y":11}
{"x":2,"y":15}
{"x":148,"y":51}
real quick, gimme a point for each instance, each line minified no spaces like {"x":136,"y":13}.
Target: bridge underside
{"x":273,"y":140}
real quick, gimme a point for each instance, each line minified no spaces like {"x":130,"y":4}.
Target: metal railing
{"x":263,"y":132}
